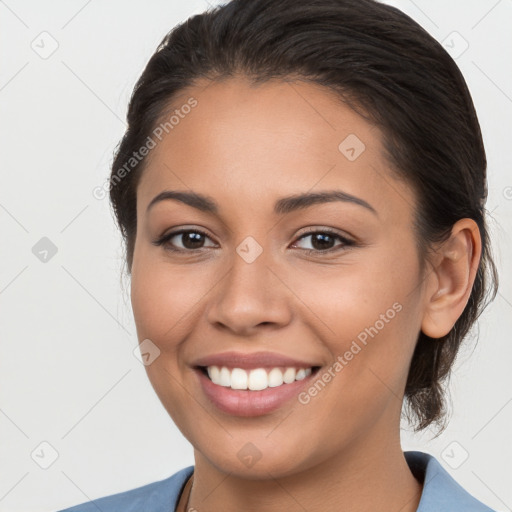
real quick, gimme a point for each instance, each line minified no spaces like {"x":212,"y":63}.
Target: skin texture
{"x":245,"y":147}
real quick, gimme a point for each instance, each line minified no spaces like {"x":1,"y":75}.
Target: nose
{"x":251,"y":296}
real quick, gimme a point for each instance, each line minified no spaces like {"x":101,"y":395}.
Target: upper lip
{"x":251,"y":360}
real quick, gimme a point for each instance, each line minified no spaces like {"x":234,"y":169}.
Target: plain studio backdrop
{"x":78,"y":417}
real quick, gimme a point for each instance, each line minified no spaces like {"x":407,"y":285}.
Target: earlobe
{"x":451,"y":279}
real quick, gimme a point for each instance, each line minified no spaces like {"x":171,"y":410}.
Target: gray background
{"x":68,"y":375}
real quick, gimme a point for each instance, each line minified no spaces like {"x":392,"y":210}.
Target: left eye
{"x":322,"y":240}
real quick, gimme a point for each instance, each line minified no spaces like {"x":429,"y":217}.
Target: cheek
{"x":364,"y":385}
{"x":349,"y":299}
{"x":163,"y":297}
{"x":371,"y":318}
{"x":161,"y":304}
{"x":149,"y":302}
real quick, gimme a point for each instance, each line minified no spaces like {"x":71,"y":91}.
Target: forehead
{"x":250,"y":144}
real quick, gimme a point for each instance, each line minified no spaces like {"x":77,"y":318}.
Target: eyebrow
{"x":282,"y":206}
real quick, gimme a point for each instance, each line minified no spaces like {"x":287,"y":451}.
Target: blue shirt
{"x":441,"y":493}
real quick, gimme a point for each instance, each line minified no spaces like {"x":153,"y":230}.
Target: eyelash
{"x":162,"y":241}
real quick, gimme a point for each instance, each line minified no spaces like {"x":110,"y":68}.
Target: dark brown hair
{"x":387,"y":68}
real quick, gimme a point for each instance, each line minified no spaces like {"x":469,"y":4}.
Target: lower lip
{"x":251,"y":403}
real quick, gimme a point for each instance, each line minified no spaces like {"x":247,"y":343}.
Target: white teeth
{"x":256,"y":379}
{"x":213,"y":373}
{"x":275,"y":378}
{"x":239,"y":379}
{"x":301,"y":374}
{"x":224,"y":377}
{"x":289,"y":375}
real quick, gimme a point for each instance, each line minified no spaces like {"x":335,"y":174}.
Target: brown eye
{"x":190,"y":239}
{"x":322,"y":241}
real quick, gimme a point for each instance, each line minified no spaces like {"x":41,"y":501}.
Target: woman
{"x":301,"y":190}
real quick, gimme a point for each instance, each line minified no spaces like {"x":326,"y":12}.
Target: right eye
{"x":191,"y":240}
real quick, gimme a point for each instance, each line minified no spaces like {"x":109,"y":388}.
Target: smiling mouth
{"x":256,"y":379}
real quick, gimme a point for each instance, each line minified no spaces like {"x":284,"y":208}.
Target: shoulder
{"x":441,"y":492}
{"x":153,"y":497}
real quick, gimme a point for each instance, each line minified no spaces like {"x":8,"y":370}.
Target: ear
{"x":450,"y":281}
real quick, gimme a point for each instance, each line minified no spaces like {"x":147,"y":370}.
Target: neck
{"x":370,"y":475}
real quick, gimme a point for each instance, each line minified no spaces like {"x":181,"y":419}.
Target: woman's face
{"x":267,"y":279}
